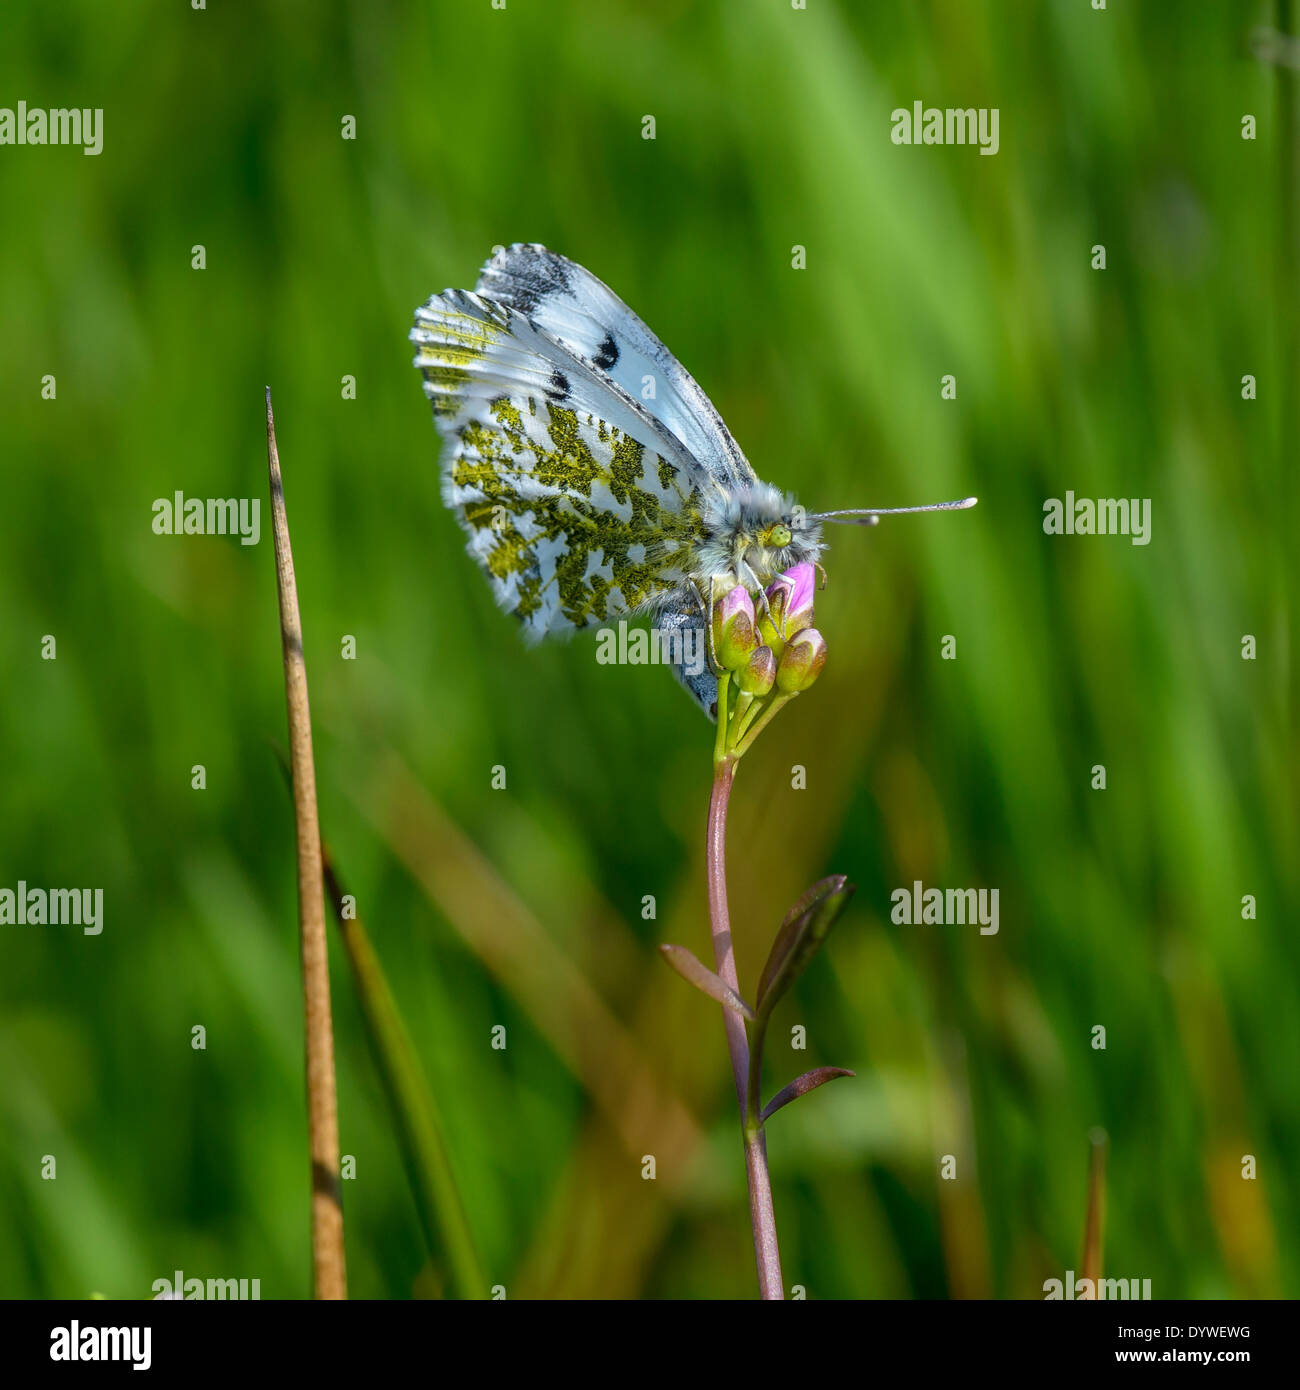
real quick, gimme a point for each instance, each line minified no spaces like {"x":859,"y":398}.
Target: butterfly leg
{"x":762,"y":595}
{"x":706,"y":610}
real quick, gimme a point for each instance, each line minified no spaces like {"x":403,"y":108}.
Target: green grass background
{"x":523,"y":907}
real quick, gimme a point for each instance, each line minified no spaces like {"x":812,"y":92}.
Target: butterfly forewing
{"x":579,"y":505}
{"x":587,"y":318}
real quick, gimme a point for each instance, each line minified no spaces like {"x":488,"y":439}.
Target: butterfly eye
{"x":778,"y":535}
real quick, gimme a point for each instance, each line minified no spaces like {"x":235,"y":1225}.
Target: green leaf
{"x":412,"y":1106}
{"x":800,"y":1086}
{"x":805,"y":928}
{"x":692,"y":969}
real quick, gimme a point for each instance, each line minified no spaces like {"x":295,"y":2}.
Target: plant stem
{"x":724,"y":720}
{"x":1288,"y":300}
{"x":1095,"y":1226}
{"x":753,"y":1107}
{"x":762,"y":1215}
{"x":753,"y":727}
{"x":329,"y":1270}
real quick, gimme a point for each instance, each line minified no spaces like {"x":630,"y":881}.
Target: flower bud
{"x":758,"y":675}
{"x":801,"y":662}
{"x":790,"y":604}
{"x":733,"y":628}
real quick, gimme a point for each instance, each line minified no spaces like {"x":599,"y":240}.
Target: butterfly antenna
{"x":869,"y":516}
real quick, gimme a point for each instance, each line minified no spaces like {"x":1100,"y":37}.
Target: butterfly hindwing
{"x":687,"y":652}
{"x":584,"y":315}
{"x":578,"y":504}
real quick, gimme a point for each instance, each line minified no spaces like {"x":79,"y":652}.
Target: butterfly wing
{"x":697,"y":678}
{"x":579,"y":505}
{"x":592,"y":322}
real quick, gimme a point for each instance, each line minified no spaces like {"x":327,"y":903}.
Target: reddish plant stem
{"x":761,"y":1212}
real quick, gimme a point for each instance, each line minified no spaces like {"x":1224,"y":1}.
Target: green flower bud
{"x":733,"y":628}
{"x":801,"y":662}
{"x":769,"y":634}
{"x":758,"y":675}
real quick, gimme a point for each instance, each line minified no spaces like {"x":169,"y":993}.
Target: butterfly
{"x":592,"y":476}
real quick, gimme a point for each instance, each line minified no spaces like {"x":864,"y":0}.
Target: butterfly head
{"x":776,"y":536}
{"x":793,"y":538}
{"x":758,"y":533}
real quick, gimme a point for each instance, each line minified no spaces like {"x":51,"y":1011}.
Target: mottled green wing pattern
{"x":577,"y":503}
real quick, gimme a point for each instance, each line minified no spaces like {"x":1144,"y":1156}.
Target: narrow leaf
{"x":1095,"y":1224}
{"x":412,"y":1108}
{"x":800,"y":1086}
{"x":692,"y":969}
{"x":805,"y":927}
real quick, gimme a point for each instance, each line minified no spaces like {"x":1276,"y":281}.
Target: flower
{"x":801,"y":662}
{"x":765,"y":659}
{"x":789,"y":606}
{"x":733,"y":628}
{"x":758,"y":674}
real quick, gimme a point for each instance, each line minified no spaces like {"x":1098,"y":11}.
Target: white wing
{"x":592,"y":322}
{"x":579,"y":505}
{"x":700,"y":682}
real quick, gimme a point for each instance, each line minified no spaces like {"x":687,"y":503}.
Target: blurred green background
{"x":523,"y":907}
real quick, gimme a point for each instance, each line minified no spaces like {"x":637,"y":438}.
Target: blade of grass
{"x":329,"y":1267}
{"x":1094,"y":1231}
{"x":414,"y":1110}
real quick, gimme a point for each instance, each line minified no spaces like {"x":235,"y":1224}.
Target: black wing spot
{"x":607,"y":355}
{"x":559,"y":387}
{"x":532,"y":274}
